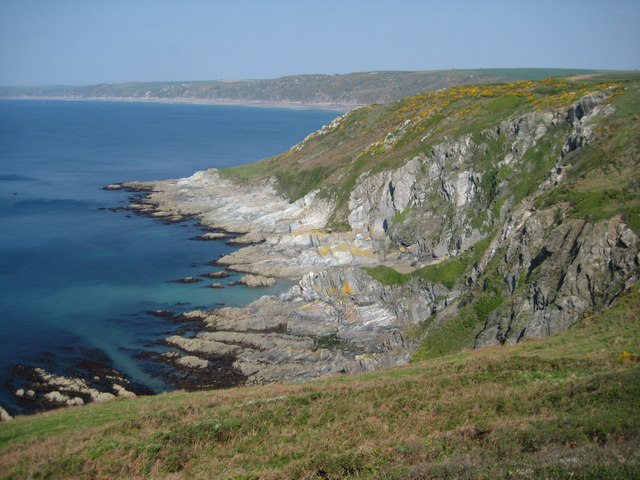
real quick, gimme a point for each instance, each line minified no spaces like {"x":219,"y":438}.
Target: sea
{"x":79,"y":275}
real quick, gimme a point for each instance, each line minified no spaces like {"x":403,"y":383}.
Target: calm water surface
{"x":74,"y":274}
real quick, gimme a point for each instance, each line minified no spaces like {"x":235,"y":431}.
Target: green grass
{"x":603,"y":178}
{"x":387,"y":275}
{"x":457,"y":332}
{"x":446,"y":273}
{"x":296,"y":185}
{"x":454,"y":334}
{"x":548,"y":408}
{"x":535,"y":73}
{"x":333,"y":342}
{"x":400,"y":217}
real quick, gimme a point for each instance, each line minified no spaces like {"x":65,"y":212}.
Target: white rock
{"x":56,"y":397}
{"x":122,"y":392}
{"x":4,"y":415}
{"x":101,"y":397}
{"x":191,"y":361}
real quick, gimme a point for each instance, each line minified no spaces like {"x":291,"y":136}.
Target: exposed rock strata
{"x":334,"y":321}
{"x":293,"y":242}
{"x":552,"y":269}
{"x":571,"y":269}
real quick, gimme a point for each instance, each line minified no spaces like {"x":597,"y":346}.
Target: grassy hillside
{"x":351,"y":89}
{"x":378,"y":137}
{"x":559,"y":407}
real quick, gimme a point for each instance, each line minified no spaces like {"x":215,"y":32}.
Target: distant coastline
{"x":201,"y":101}
{"x":321,"y":92}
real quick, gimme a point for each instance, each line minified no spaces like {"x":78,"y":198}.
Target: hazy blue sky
{"x":89,"y":41}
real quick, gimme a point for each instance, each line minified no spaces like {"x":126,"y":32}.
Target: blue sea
{"x":76,"y":276}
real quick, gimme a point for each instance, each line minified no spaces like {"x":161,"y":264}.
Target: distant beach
{"x":203,"y":101}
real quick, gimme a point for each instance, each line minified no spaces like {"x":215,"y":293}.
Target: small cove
{"x":76,"y":276}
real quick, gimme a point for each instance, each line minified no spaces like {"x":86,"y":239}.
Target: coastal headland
{"x":450,"y":220}
{"x":409,"y":235}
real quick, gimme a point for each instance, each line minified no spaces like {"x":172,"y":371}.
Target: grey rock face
{"x":376,"y":199}
{"x":571,"y":269}
{"x":580,"y":116}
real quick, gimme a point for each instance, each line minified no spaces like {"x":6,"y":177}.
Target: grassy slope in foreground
{"x":550,"y":408}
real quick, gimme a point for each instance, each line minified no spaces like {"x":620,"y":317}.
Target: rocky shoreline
{"x":335,"y":320}
{"x":280,"y":338}
{"x":87,"y":377}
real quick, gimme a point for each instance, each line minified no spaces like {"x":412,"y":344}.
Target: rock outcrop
{"x":256,"y":281}
{"x":334,"y":321}
{"x":564,"y":270}
{"x":4,"y":415}
{"x":57,"y":390}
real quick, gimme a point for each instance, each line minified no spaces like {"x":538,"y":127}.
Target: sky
{"x":81,"y":42}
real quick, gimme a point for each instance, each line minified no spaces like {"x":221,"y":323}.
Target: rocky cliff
{"x":462,"y":218}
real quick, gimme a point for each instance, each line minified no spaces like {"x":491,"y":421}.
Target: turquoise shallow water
{"x":76,"y":276}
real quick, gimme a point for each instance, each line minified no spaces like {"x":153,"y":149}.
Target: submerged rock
{"x":220,"y":274}
{"x":45,"y":389}
{"x":188,"y":280}
{"x":161,"y":313}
